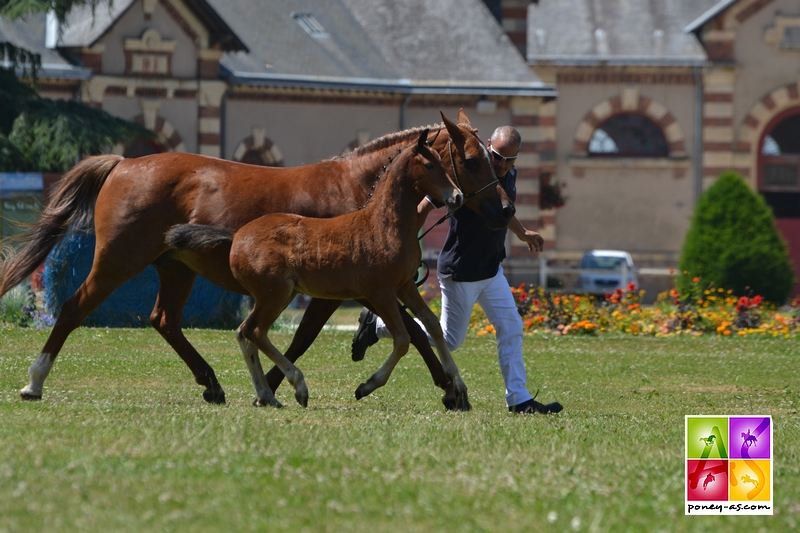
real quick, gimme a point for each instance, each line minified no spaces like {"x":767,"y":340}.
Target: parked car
{"x":606,"y":271}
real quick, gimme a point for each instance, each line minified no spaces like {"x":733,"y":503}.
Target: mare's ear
{"x":422,"y":141}
{"x":462,"y":117}
{"x":452,"y":129}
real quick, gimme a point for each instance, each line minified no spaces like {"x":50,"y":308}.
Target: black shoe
{"x":366,"y":334}
{"x":532,"y":406}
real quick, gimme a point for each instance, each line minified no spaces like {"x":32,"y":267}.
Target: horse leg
{"x":409,"y":295}
{"x":314,"y":319}
{"x":89,"y":295}
{"x":254,"y":330}
{"x":388,"y":310}
{"x":264,"y":394}
{"x":176,"y":281}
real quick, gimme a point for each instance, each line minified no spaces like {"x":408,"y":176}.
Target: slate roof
{"x":389,"y":44}
{"x":408,"y":46}
{"x":616,"y":31}
{"x":29,"y":33}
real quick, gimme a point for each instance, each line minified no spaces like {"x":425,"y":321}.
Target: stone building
{"x":634,"y":105}
{"x":655,"y":100}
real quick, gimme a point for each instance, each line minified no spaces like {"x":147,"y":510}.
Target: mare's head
{"x":423,"y":166}
{"x":467,"y":160}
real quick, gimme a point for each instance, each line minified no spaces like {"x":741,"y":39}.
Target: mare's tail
{"x":194,"y":237}
{"x":72,"y":203}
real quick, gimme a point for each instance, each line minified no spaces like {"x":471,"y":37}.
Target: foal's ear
{"x":422,"y":142}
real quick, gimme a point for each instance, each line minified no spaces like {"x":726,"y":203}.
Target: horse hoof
{"x":272,"y":403}
{"x":459,"y":403}
{"x":217,"y":397}
{"x":27,"y":396}
{"x":302,"y":399}
{"x":360,"y":391}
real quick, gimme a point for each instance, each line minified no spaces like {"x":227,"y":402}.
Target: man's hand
{"x":534,"y":241}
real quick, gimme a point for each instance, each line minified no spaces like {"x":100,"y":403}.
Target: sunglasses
{"x":503,"y":158}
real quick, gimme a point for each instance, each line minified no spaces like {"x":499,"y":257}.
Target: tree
{"x":15,"y":9}
{"x":733,"y":244}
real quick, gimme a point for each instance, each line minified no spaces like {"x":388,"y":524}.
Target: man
{"x":469,"y":271}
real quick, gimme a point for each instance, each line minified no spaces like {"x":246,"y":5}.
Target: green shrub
{"x":733,"y":243}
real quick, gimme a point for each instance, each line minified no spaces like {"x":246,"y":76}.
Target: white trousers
{"x":495,"y":298}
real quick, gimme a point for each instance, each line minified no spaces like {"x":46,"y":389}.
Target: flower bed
{"x":705,"y":310}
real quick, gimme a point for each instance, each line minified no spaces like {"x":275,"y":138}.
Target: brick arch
{"x":267,"y":151}
{"x":761,"y":114}
{"x":653,"y":110}
{"x":166,"y":135}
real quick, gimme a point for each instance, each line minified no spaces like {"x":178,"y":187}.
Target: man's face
{"x":503,"y":154}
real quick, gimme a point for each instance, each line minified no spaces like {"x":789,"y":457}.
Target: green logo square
{"x":706,"y":437}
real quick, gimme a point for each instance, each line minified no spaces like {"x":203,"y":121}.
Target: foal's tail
{"x":72,"y":203}
{"x":194,"y":237}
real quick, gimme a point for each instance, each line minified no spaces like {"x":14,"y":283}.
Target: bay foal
{"x":371,"y":254}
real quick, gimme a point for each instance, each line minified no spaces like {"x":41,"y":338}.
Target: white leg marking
{"x":38,"y":372}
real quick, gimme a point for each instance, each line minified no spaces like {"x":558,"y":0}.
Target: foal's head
{"x":424,"y":167}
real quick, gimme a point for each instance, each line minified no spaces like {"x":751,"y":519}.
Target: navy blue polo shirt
{"x":472,"y":251}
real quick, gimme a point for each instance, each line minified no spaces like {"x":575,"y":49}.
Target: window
{"x":780,"y":155}
{"x":310,"y":24}
{"x":628,"y":135}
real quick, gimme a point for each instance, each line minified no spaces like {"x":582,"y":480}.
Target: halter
{"x":458,"y":184}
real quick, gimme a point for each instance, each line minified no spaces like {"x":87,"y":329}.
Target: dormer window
{"x":149,"y":56}
{"x":310,"y":24}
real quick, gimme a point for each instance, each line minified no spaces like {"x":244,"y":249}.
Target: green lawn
{"x":122,"y":440}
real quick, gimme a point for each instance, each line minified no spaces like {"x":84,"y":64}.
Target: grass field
{"x":122,"y":441}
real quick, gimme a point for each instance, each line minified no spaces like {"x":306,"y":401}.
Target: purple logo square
{"x":749,"y":437}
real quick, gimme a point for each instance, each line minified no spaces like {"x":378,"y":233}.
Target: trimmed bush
{"x":130,"y":305}
{"x":733,"y":243}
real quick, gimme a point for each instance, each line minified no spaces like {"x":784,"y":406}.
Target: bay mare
{"x":133,"y":202}
{"x":369,"y":254}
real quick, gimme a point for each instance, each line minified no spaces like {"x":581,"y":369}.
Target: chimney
{"x":513,"y":17}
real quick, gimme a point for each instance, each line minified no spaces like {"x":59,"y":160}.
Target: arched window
{"x":628,"y":135}
{"x":780,"y":156}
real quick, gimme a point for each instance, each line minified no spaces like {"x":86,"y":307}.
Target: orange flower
{"x":696,"y":279}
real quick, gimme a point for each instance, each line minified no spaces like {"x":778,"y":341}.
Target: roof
{"x":715,"y":10}
{"x":452,"y":46}
{"x":407,"y":47}
{"x":615,"y":32}
{"x":86,"y":24}
{"x":29,"y":33}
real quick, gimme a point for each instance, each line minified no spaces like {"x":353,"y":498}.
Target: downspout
{"x":403,"y":110}
{"x":698,"y":133}
{"x":222,"y":123}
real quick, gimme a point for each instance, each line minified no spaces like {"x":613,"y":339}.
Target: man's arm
{"x":534,"y":241}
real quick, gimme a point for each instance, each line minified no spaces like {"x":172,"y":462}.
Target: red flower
{"x":756,"y":300}
{"x":631,"y":286}
{"x":743,"y":304}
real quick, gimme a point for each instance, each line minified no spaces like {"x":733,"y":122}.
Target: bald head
{"x":504,"y":148}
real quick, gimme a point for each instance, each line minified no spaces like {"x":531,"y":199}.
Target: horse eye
{"x":429,"y":166}
{"x":472,"y":164}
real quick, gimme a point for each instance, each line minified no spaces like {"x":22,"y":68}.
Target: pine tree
{"x":733,"y":244}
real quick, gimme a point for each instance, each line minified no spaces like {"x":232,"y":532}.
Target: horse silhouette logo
{"x":749,"y":439}
{"x":709,"y":479}
{"x":708,"y":440}
{"x":747,"y":479}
